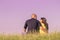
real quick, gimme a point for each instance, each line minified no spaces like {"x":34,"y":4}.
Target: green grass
{"x":53,"y":36}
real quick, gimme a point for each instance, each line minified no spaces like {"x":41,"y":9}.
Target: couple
{"x":35,"y":26}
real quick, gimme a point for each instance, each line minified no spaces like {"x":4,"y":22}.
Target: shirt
{"x":32,"y":25}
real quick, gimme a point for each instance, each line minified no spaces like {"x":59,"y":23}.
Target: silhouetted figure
{"x":32,"y":24}
{"x":44,"y":26}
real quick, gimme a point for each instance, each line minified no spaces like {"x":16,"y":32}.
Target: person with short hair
{"x":32,"y":24}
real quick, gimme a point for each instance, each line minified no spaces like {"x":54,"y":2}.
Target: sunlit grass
{"x":52,"y":36}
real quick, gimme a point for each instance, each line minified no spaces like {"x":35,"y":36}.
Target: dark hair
{"x":46,"y":24}
{"x":43,"y":18}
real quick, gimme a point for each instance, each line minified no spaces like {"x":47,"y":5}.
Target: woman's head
{"x":43,"y":19}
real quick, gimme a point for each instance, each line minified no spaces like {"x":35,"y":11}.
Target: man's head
{"x":34,"y":16}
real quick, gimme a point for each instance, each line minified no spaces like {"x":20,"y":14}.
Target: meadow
{"x":52,"y":36}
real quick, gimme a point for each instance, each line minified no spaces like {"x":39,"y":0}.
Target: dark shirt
{"x":32,"y":25}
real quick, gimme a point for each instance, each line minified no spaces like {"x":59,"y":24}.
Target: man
{"x":32,"y":24}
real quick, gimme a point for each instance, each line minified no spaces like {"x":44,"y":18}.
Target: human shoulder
{"x":28,"y":20}
{"x":37,"y":20}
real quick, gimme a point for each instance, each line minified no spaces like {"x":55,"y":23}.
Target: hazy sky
{"x":14,"y":13}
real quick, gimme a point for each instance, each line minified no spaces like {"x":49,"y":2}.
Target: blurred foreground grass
{"x":52,"y":36}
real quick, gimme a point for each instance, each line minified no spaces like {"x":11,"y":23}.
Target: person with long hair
{"x":44,"y":26}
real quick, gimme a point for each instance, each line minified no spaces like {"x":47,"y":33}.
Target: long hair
{"x":44,"y":20}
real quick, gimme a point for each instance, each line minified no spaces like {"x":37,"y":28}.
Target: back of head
{"x":44,"y":20}
{"x":34,"y":16}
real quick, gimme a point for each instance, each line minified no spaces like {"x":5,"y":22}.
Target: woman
{"x":44,"y":26}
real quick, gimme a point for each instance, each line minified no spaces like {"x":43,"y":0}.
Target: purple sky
{"x":13,"y":14}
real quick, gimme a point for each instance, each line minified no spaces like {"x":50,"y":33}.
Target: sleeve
{"x":25,"y":26}
{"x":39,"y":24}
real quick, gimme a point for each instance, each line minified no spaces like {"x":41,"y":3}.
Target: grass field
{"x":53,"y":36}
